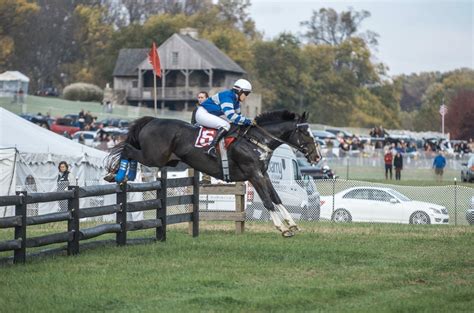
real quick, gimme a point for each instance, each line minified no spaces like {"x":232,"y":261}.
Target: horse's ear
{"x":304,"y":117}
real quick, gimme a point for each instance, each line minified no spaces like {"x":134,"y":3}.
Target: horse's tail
{"x":113,"y":159}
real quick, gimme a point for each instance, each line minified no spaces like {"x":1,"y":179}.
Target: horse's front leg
{"x":262,"y":187}
{"x":287,"y":219}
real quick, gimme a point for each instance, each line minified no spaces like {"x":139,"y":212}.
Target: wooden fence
{"x":75,"y":234}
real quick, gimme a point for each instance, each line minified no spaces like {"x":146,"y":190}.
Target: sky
{"x":415,"y":36}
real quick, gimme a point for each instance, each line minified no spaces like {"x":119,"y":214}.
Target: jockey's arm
{"x":233,"y":115}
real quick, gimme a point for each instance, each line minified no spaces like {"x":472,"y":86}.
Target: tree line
{"x":328,"y":70}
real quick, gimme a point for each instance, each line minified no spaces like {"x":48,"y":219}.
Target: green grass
{"x":58,"y":107}
{"x":327,"y":268}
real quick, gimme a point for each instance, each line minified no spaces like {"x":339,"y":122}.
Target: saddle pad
{"x":205,"y":137}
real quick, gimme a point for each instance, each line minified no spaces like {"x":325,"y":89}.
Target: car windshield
{"x":400,"y":196}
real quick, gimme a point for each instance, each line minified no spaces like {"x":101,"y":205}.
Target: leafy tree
{"x":14,"y":15}
{"x":460,"y":117}
{"x":326,"y":26}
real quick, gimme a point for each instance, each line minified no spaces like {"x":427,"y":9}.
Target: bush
{"x":83,"y":92}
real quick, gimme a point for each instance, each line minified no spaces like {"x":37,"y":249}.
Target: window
{"x":134,"y":83}
{"x":296,"y":171}
{"x":357,"y":194}
{"x":379,"y":195}
{"x":174,"y":58}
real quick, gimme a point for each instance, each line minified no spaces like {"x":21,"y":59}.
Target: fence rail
{"x":74,"y":234}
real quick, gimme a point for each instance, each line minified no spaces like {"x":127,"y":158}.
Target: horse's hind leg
{"x":261,"y":186}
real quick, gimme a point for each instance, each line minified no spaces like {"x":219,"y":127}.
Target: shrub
{"x":83,"y":92}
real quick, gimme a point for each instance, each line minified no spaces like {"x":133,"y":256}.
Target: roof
{"x":212,"y":54}
{"x":128,"y":60}
{"x":28,"y":137}
{"x":13,"y":76}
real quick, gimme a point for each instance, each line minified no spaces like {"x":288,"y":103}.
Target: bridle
{"x":301,"y":147}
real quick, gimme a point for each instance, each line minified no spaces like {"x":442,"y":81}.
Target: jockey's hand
{"x":254,"y":123}
{"x":247,"y":122}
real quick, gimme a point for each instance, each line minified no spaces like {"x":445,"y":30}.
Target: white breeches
{"x":206,"y":119}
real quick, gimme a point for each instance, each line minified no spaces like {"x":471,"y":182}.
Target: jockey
{"x":225,"y":104}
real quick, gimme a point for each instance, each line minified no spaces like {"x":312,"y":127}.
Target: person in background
{"x":65,"y":179}
{"x":439,"y":163}
{"x":398,"y":164}
{"x":201,"y":97}
{"x":388,"y":160}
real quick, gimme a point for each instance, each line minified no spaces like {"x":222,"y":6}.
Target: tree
{"x":14,"y":15}
{"x":326,"y":26}
{"x":460,"y":117}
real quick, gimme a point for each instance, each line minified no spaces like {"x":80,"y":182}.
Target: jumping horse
{"x":158,"y":142}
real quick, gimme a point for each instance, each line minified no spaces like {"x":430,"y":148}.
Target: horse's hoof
{"x":287,"y":233}
{"x":295,"y":228}
{"x":110,"y":177}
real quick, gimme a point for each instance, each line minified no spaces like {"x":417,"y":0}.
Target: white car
{"x":385,"y":205}
{"x":90,"y":137}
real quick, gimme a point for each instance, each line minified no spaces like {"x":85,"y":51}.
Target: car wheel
{"x":341,"y":216}
{"x":420,"y":217}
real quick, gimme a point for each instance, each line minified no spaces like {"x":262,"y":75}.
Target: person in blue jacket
{"x":439,"y":163}
{"x":222,"y":109}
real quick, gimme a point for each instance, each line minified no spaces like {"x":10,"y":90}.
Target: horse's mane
{"x":275,"y":116}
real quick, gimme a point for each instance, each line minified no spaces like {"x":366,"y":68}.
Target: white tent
{"x":11,"y":82}
{"x":29,"y":158}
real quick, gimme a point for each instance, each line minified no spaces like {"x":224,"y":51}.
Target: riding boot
{"x":221,"y":132}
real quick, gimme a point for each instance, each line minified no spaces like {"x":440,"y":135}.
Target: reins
{"x":268,"y":149}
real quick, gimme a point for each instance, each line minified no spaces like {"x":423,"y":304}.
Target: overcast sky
{"x":415,"y":35}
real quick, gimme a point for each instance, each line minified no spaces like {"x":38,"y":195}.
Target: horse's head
{"x":302,"y":138}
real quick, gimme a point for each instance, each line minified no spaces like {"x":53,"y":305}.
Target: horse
{"x":159,"y":142}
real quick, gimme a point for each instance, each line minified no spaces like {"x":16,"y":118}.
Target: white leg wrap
{"x":286,"y":215}
{"x":276,"y":218}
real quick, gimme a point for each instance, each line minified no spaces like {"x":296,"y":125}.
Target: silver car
{"x":467,"y":170}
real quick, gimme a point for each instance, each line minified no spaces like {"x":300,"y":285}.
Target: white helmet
{"x":243,"y":85}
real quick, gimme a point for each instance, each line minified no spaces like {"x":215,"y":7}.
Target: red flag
{"x":154,"y":59}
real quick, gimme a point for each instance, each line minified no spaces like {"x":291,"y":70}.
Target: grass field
{"x":326,"y":268}
{"x":59,"y":107}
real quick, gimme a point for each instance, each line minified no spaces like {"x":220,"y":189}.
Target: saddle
{"x":206,"y":135}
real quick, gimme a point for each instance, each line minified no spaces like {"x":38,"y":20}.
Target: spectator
{"x":388,"y":160}
{"x":82,"y":140}
{"x":30,"y":186}
{"x":398,"y":164}
{"x":471,"y":145}
{"x":201,"y":97}
{"x":65,"y":178}
{"x":439,"y":163}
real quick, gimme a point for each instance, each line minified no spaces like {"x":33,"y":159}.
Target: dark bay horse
{"x":158,"y":142}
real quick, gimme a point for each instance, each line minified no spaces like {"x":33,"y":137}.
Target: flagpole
{"x":154,"y":91}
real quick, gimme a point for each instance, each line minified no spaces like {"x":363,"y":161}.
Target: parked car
{"x":90,"y":138}
{"x":322,"y":134}
{"x":316,"y":171}
{"x":467,"y":170}
{"x":48,"y":92}
{"x":64,"y":125}
{"x":384,"y":205}
{"x":114,"y":122}
{"x":39,"y":120}
{"x":340,"y":132}
{"x":470,"y":213}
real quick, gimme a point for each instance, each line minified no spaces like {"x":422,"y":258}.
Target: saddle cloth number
{"x":205,"y":137}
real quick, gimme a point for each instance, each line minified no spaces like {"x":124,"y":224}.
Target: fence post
{"x":73,"y":223}
{"x":455,"y":201}
{"x":161,"y":213}
{"x":195,"y":214}
{"x":240,"y":207}
{"x":121,"y":237}
{"x":333,"y":195}
{"x":19,"y":255}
